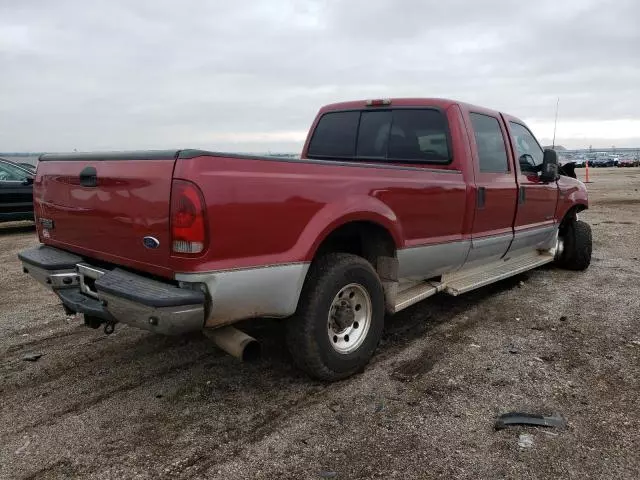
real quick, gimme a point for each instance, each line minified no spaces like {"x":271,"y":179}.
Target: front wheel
{"x":339,"y":319}
{"x":575,"y":253}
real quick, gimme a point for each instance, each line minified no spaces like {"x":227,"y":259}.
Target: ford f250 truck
{"x":392,"y":201}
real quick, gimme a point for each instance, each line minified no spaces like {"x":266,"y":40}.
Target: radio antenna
{"x":555,"y":125}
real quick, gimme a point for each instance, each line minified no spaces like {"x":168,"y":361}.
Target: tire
{"x":315,"y":338}
{"x":576,"y":253}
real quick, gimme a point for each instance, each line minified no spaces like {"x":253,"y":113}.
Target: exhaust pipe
{"x":235,"y":343}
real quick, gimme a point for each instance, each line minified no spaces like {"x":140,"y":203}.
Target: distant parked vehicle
{"x":579,"y":162}
{"x":628,"y":162}
{"x":603,"y":162}
{"x":16,"y":192}
{"x":596,"y":162}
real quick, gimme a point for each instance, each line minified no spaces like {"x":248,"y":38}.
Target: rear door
{"x":104,"y":205}
{"x":535,"y":219}
{"x":496,"y":189}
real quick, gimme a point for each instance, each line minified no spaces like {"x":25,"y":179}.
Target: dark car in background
{"x":16,"y":191}
{"x":27,"y":166}
{"x":580,"y":162}
{"x":603,"y":162}
{"x":628,"y":162}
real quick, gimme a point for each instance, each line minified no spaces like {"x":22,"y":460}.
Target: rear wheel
{"x":340,"y":317}
{"x":576,"y":241}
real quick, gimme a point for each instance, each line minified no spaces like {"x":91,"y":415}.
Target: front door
{"x":496,"y":189}
{"x":535,"y":224}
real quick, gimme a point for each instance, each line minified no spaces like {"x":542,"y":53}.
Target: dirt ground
{"x":136,"y":405}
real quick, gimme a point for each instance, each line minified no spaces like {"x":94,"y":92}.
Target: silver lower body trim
{"x":234,"y":295}
{"x":486,"y":249}
{"x":541,"y":238}
{"x":432,"y":260}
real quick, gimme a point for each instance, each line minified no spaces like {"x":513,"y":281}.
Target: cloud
{"x":250,"y":75}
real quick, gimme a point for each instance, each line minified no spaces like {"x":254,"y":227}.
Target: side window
{"x":530,"y":153}
{"x":335,"y":135}
{"x":11,"y":173}
{"x":490,"y":144}
{"x":418,"y":135}
{"x":373,"y":136}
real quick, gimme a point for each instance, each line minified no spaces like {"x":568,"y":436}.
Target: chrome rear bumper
{"x":116,"y":295}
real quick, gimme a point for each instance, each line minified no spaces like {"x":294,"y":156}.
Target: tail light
{"x":188,"y":224}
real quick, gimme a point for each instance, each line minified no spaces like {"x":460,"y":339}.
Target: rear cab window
{"x":335,"y":135}
{"x":402,"y":135}
{"x":373,"y":135}
{"x":419,"y":135}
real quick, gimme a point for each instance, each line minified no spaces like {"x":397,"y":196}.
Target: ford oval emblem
{"x":151,"y":242}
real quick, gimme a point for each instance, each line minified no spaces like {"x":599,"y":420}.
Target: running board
{"x":466,"y":280}
{"x":415,"y":292}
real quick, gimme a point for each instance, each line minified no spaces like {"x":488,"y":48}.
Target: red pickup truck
{"x":392,"y":201}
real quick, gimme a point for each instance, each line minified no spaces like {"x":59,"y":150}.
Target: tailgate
{"x":104,"y":206}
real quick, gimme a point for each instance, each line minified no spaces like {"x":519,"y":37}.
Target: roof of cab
{"x":402,"y":102}
{"x":442,"y":103}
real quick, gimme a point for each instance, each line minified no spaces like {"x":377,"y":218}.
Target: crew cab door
{"x":535,"y":222}
{"x":496,"y":188}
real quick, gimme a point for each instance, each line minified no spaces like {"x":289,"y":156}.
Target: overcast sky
{"x":250,"y":75}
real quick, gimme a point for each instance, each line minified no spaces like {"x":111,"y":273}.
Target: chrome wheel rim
{"x":558,"y":247}
{"x":349,"y":318}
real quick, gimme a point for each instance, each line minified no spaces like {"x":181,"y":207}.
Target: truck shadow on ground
{"x":400,"y":330}
{"x":92,"y":352}
{"x":254,"y":394}
{"x":203,"y":364}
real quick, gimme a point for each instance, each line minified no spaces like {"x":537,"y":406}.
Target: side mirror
{"x":549,"y":166}
{"x":28,"y":181}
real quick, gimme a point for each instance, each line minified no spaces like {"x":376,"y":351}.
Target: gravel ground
{"x":135,"y":405}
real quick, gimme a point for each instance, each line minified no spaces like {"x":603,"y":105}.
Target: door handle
{"x":89,"y":177}
{"x":521,"y":195}
{"x":482,"y":196}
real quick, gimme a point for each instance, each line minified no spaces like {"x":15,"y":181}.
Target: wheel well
{"x":571,"y":214}
{"x":365,"y":239}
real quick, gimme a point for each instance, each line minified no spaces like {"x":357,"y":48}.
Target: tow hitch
{"x":95,"y":322}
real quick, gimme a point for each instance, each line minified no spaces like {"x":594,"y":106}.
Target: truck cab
{"x":504,"y":204}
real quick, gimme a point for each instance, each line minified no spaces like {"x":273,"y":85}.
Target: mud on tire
{"x":310,"y":332}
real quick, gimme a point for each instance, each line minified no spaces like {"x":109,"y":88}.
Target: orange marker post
{"x":586,"y":166}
